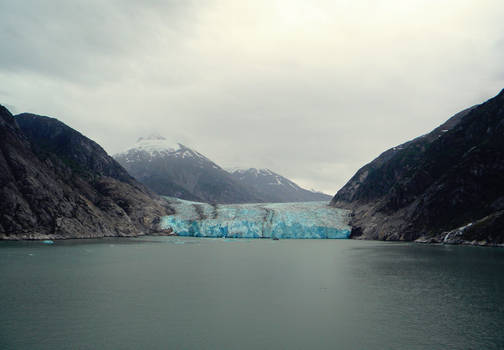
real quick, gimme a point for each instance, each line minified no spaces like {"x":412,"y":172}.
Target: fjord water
{"x":200,"y":293}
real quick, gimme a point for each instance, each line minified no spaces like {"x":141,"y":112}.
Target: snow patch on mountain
{"x":274,"y":187}
{"x":154,"y":146}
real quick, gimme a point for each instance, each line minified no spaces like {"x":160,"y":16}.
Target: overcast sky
{"x":310,"y":89}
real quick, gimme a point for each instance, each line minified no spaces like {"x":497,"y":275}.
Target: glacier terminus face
{"x":262,"y":220}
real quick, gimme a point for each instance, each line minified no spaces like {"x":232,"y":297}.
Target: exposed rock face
{"x":56,"y":183}
{"x":446,"y":186}
{"x":177,"y":171}
{"x":272,"y":187}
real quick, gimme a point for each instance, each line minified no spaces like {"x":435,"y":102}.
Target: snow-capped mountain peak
{"x":173,"y":169}
{"x":154,"y":144}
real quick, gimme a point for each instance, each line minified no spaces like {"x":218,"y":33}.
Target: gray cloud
{"x":311,"y":89}
{"x":86,"y":41}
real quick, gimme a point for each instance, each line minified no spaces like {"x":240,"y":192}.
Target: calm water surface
{"x":173,"y":293}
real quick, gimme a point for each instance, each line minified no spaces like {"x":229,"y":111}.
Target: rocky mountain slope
{"x":56,"y":183}
{"x":272,"y":187}
{"x":178,"y":171}
{"x":446,"y":186}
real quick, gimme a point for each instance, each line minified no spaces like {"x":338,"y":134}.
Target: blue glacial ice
{"x":261,"y":220}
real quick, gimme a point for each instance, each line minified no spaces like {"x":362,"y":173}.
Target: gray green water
{"x":190,"y":293}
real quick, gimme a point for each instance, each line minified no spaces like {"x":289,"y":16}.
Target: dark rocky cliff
{"x":446,"y":186}
{"x":56,"y":183}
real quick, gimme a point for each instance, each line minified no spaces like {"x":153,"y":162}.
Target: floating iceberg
{"x":261,"y":220}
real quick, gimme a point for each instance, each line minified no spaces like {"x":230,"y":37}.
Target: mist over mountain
{"x":445,"y":186}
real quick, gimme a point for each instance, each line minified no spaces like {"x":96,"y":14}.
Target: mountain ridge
{"x":273,"y":187}
{"x":179,"y":171}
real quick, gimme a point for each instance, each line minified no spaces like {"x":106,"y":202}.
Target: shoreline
{"x":423,"y":241}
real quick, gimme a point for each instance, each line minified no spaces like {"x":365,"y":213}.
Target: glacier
{"x":310,"y":220}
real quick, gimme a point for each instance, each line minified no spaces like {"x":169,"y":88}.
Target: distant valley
{"x":442,"y":187}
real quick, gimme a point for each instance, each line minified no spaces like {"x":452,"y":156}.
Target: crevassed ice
{"x":262,"y":220}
